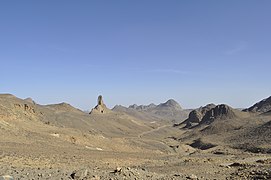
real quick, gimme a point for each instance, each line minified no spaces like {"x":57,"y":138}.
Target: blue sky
{"x":195,"y":52}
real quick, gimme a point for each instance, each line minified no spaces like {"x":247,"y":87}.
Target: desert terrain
{"x":161,"y":141}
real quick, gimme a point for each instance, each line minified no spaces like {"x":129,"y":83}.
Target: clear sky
{"x":143,"y":51}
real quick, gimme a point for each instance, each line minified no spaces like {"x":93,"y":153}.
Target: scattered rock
{"x":84,"y":174}
{"x":95,"y":177}
{"x":192,"y":176}
{"x":262,"y":161}
{"x":117,"y":170}
{"x":219,"y":153}
{"x":26,"y":107}
{"x":199,"y":144}
{"x":73,"y":175}
{"x":235,"y":164}
{"x":55,"y":135}
{"x":6,"y":177}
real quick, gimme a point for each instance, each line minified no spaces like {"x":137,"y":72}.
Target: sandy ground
{"x":74,"y":161}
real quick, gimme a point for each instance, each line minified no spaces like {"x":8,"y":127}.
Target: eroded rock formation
{"x":100,"y":107}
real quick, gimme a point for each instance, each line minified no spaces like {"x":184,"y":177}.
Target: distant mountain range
{"x":170,"y":111}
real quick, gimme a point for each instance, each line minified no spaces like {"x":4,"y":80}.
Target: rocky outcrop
{"x":196,"y":115}
{"x":26,"y":107}
{"x":6,"y":177}
{"x":219,"y":112}
{"x":100,"y":108}
{"x":30,"y":100}
{"x":208,"y":114}
{"x":262,"y":106}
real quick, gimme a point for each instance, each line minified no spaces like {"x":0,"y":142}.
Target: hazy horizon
{"x":136,"y":52}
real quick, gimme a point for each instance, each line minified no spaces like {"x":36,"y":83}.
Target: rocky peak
{"x":207,"y":107}
{"x":100,"y":101}
{"x":100,"y":107}
{"x":195,"y":116}
{"x":134,"y":106}
{"x":170,"y":104}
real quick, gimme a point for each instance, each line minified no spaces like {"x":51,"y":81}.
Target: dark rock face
{"x":209,"y":113}
{"x":219,"y":112}
{"x":100,"y":100}
{"x":196,"y":116}
{"x":201,"y":145}
{"x":267,"y":113}
{"x":262,"y":106}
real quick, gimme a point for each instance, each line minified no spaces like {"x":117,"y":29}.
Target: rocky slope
{"x":255,"y":139}
{"x":262,"y":106}
{"x":22,"y":116}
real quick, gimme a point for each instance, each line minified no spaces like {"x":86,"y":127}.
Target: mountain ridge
{"x":169,"y":111}
{"x":261,"y":106}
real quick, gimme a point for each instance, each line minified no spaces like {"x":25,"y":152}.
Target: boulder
{"x":6,"y":177}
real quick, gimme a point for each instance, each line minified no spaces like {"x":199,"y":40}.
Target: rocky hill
{"x":64,"y":115}
{"x":196,"y":115}
{"x":262,"y":106}
{"x":221,"y":111}
{"x":221,"y":125}
{"x":208,"y":114}
{"x":63,"y":107}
